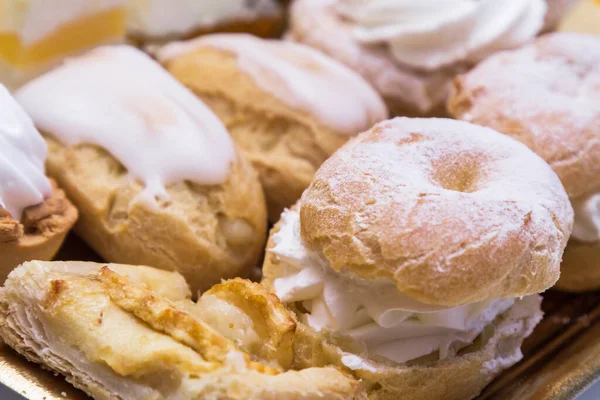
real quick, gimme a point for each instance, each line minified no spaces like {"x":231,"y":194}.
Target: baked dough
{"x":38,"y":235}
{"x":546,"y":95}
{"x":285,"y":141}
{"x":417,"y":210}
{"x":122,"y":332}
{"x":154,"y":174}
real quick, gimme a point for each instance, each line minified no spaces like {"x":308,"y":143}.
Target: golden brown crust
{"x":117,"y":340}
{"x":205,"y":232}
{"x":424,"y":203}
{"x":39,"y":234}
{"x":545,"y":95}
{"x":285,"y":145}
{"x":580,"y":268}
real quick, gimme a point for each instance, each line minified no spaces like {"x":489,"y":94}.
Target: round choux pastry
{"x":35,"y":215}
{"x":154,"y":174}
{"x":547,"y":95}
{"x":414,"y":258}
{"x":287,"y":106}
{"x":410,"y":51}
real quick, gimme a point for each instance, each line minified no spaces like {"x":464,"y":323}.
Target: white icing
{"x":587,"y":218}
{"x":388,"y":323}
{"x":160,"y":18}
{"x":431,"y":34}
{"x":22,"y":156}
{"x":300,"y":76}
{"x":33,"y":20}
{"x":121,"y":100}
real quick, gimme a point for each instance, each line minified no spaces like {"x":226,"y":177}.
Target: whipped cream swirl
{"x":586,"y":226}
{"x":22,"y":156}
{"x":431,"y":34}
{"x":374,"y":313}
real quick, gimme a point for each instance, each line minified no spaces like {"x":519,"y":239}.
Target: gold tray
{"x":561,"y":357}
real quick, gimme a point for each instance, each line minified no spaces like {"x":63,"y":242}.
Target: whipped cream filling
{"x":374,"y":313}
{"x":118,"y":98}
{"x":179,"y":17}
{"x":431,"y":34}
{"x":33,"y":20}
{"x":299,"y":76}
{"x":23,"y":182}
{"x":586,"y":226}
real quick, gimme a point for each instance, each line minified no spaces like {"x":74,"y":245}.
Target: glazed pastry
{"x":151,"y":21}
{"x":35,"y":216}
{"x":584,"y":18}
{"x":286,"y":105}
{"x":547,"y":95}
{"x":122,"y":333}
{"x":407,"y":260}
{"x":410,"y":51}
{"x":153,"y":172}
{"x":34,"y":35}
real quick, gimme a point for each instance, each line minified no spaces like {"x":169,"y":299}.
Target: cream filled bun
{"x":153,"y":172}
{"x":415,"y":257}
{"x":35,"y":215}
{"x":155,"y":21}
{"x":411,"y":50}
{"x":286,"y":105}
{"x":547,"y":95}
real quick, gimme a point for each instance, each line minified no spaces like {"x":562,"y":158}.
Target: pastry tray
{"x":561,"y":357}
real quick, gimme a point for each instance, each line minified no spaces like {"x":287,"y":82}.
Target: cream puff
{"x":410,"y":51}
{"x":35,"y":215}
{"x":154,"y":173}
{"x":286,"y":105}
{"x":547,"y":95}
{"x":156,"y":21}
{"x":132,"y":333}
{"x":414,"y":258}
{"x":34,"y":35}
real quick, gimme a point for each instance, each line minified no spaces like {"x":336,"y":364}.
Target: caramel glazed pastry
{"x":286,"y":105}
{"x":156,"y":21}
{"x":35,"y":216}
{"x":154,"y":174}
{"x":122,"y":332}
{"x":408,"y":262}
{"x":411,"y":50}
{"x":547,"y":95}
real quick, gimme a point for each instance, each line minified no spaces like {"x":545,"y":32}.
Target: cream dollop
{"x":160,"y":18}
{"x":586,"y":226}
{"x":299,"y":76}
{"x":22,"y":156}
{"x":430,"y":34}
{"x":33,"y":20}
{"x":388,"y":323}
{"x":121,"y":100}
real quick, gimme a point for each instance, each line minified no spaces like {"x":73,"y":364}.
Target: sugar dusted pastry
{"x":408,"y":261}
{"x":547,"y":95}
{"x":410,"y":50}
{"x":164,"y":20}
{"x":123,"y":332}
{"x":35,"y":216}
{"x":154,"y":173}
{"x":35,"y":34}
{"x":287,"y":106}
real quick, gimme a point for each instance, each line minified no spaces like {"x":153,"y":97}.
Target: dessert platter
{"x":309,"y":199}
